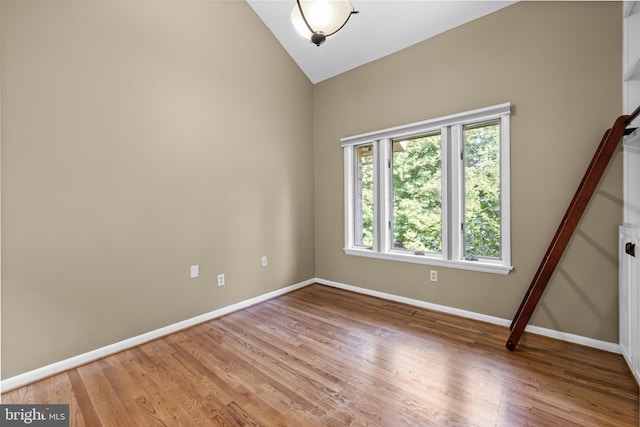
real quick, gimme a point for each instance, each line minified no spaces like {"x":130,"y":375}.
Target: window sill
{"x":483,"y":266}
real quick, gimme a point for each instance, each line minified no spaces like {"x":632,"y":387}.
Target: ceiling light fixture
{"x":317,"y":20}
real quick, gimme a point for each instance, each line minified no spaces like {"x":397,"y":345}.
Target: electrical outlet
{"x":194,"y":271}
{"x":220,"y":279}
{"x":433,"y":275}
{"x":263,"y":261}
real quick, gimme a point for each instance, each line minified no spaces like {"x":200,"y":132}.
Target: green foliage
{"x":364,"y":237}
{"x":417,"y":198}
{"x":482,"y":192}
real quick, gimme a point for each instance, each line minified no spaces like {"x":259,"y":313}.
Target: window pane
{"x":417,"y":194}
{"x":364,"y":196}
{"x":482,"y":191}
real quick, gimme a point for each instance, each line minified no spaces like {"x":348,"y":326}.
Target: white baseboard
{"x":82,"y":359}
{"x":73,"y":362}
{"x":576,"y":339}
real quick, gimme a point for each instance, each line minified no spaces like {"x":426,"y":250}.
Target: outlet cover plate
{"x":194,"y":271}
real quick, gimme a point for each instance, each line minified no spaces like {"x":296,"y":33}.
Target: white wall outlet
{"x":194,"y":271}
{"x":220,"y":279}
{"x":263,"y":261}
{"x":433,"y":275}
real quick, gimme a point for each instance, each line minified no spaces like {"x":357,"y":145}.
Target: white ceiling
{"x":381,"y":28}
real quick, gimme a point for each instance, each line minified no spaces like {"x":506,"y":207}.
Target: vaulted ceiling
{"x":381,"y":28}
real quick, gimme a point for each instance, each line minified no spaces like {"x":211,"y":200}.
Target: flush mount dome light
{"x":317,"y":20}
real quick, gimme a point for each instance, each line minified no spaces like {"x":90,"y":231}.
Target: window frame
{"x":451,"y":128}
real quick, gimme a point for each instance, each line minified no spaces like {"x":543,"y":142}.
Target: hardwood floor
{"x":321,"y":356}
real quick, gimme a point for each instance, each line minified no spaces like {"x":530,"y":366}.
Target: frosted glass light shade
{"x":324,"y":16}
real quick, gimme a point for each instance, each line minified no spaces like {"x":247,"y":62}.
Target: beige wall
{"x":138,"y":138}
{"x":559,"y":66}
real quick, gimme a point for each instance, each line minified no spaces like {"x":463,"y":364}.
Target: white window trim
{"x":451,"y":128}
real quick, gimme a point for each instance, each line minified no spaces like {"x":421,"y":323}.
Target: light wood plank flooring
{"x":323,"y":356}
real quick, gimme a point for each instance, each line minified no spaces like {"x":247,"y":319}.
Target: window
{"x":364,"y":197}
{"x":433,"y":192}
{"x":416,"y":168}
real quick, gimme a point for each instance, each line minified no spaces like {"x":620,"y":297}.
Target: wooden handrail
{"x":633,"y":115}
{"x":567,"y":226}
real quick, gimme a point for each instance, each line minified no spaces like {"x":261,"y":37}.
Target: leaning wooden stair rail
{"x":568,"y":225}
